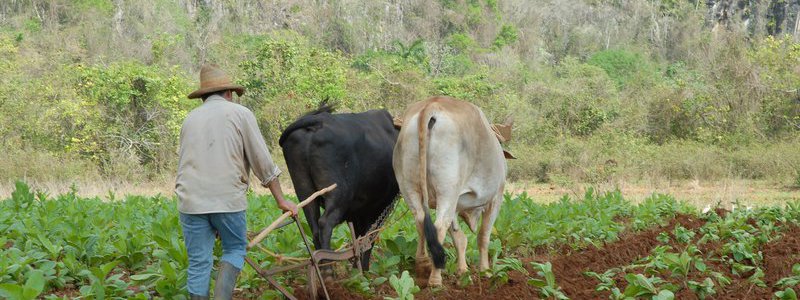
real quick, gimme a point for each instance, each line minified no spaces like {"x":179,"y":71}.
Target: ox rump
{"x":447,"y":157}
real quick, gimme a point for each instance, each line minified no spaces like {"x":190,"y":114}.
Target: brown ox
{"x":448,"y":158}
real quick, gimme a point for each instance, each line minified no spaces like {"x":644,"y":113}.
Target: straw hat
{"x":213,"y":79}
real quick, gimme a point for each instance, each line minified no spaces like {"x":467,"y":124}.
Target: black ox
{"x":353,"y":150}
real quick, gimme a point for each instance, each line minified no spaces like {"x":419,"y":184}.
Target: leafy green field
{"x":65,"y":246}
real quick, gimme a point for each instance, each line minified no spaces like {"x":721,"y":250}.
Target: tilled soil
{"x":569,"y":267}
{"x":779,"y":257}
{"x":517,"y":287}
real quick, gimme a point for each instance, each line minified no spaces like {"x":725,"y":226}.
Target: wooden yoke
{"x":287,"y":214}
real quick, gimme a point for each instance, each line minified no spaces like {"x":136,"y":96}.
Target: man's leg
{"x":199,"y":238}
{"x":232,"y":228}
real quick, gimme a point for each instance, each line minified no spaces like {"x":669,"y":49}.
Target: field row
{"x":600,"y":246}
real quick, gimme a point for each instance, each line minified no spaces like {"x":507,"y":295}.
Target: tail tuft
{"x":434,"y":247}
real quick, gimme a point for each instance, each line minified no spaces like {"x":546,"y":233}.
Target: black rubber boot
{"x":226,"y":281}
{"x":196,"y":297}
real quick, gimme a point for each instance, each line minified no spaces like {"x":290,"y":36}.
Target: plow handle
{"x":287,"y":214}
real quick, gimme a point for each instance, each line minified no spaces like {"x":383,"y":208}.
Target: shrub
{"x":622,"y":66}
{"x":286,"y":76}
{"x":776,"y":60}
{"x":581,"y":100}
{"x":508,"y":35}
{"x":125,"y":107}
{"x":461,"y":42}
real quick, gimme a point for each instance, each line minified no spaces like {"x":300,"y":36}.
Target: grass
{"x":694,"y":192}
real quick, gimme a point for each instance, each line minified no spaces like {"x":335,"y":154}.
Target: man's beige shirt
{"x":220,"y":142}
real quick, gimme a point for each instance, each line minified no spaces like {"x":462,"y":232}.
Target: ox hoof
{"x":423,"y":267}
{"x":435,"y":282}
{"x":484,"y":267}
{"x":462,"y":269}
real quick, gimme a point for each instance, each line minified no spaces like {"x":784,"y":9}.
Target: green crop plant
{"x":358,"y":282}
{"x":34,"y":285}
{"x":682,"y":234}
{"x":546,"y":282}
{"x":786,"y":294}
{"x":404,"y":286}
{"x":102,"y":285}
{"x":790,"y":281}
{"x":640,"y":286}
{"x":607,"y":282}
{"x":499,"y":273}
{"x":702,"y":289}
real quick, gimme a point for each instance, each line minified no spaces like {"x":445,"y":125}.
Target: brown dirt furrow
{"x":569,"y":268}
{"x":516,"y":288}
{"x":481,"y":288}
{"x":779,"y":257}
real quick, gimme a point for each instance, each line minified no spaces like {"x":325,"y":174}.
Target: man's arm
{"x":260,"y":161}
{"x":275,"y":189}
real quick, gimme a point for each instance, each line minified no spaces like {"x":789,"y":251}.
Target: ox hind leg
{"x":303,"y":180}
{"x":360,"y":231}
{"x":422,"y":263}
{"x":446,"y":211}
{"x":487,"y":222}
{"x":312,"y":212}
{"x":324,"y":169}
{"x":460,"y":241}
{"x":333,"y":215}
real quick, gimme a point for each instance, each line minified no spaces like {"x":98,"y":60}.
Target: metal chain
{"x":377,"y":226}
{"x":382,"y":218}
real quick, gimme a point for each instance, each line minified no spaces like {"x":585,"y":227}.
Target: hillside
{"x":603,"y":91}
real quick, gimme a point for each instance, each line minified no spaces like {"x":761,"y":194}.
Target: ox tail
{"x":432,"y":238}
{"x":426,"y":121}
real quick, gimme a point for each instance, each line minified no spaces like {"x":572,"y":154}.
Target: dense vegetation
{"x":131,"y":248}
{"x":601,"y":90}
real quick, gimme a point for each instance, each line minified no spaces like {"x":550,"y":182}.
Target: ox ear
{"x":508,"y":155}
{"x":502,"y":132}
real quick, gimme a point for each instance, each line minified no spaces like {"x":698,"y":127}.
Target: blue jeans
{"x":199,"y":236}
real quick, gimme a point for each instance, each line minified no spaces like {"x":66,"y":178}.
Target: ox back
{"x":353,"y":150}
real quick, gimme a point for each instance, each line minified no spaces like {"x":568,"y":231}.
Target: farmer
{"x":220,"y":143}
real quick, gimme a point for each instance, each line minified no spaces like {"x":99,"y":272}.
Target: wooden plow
{"x":313,"y":264}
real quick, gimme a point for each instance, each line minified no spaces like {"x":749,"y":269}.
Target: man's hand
{"x":275,"y":188}
{"x":288,"y":206}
